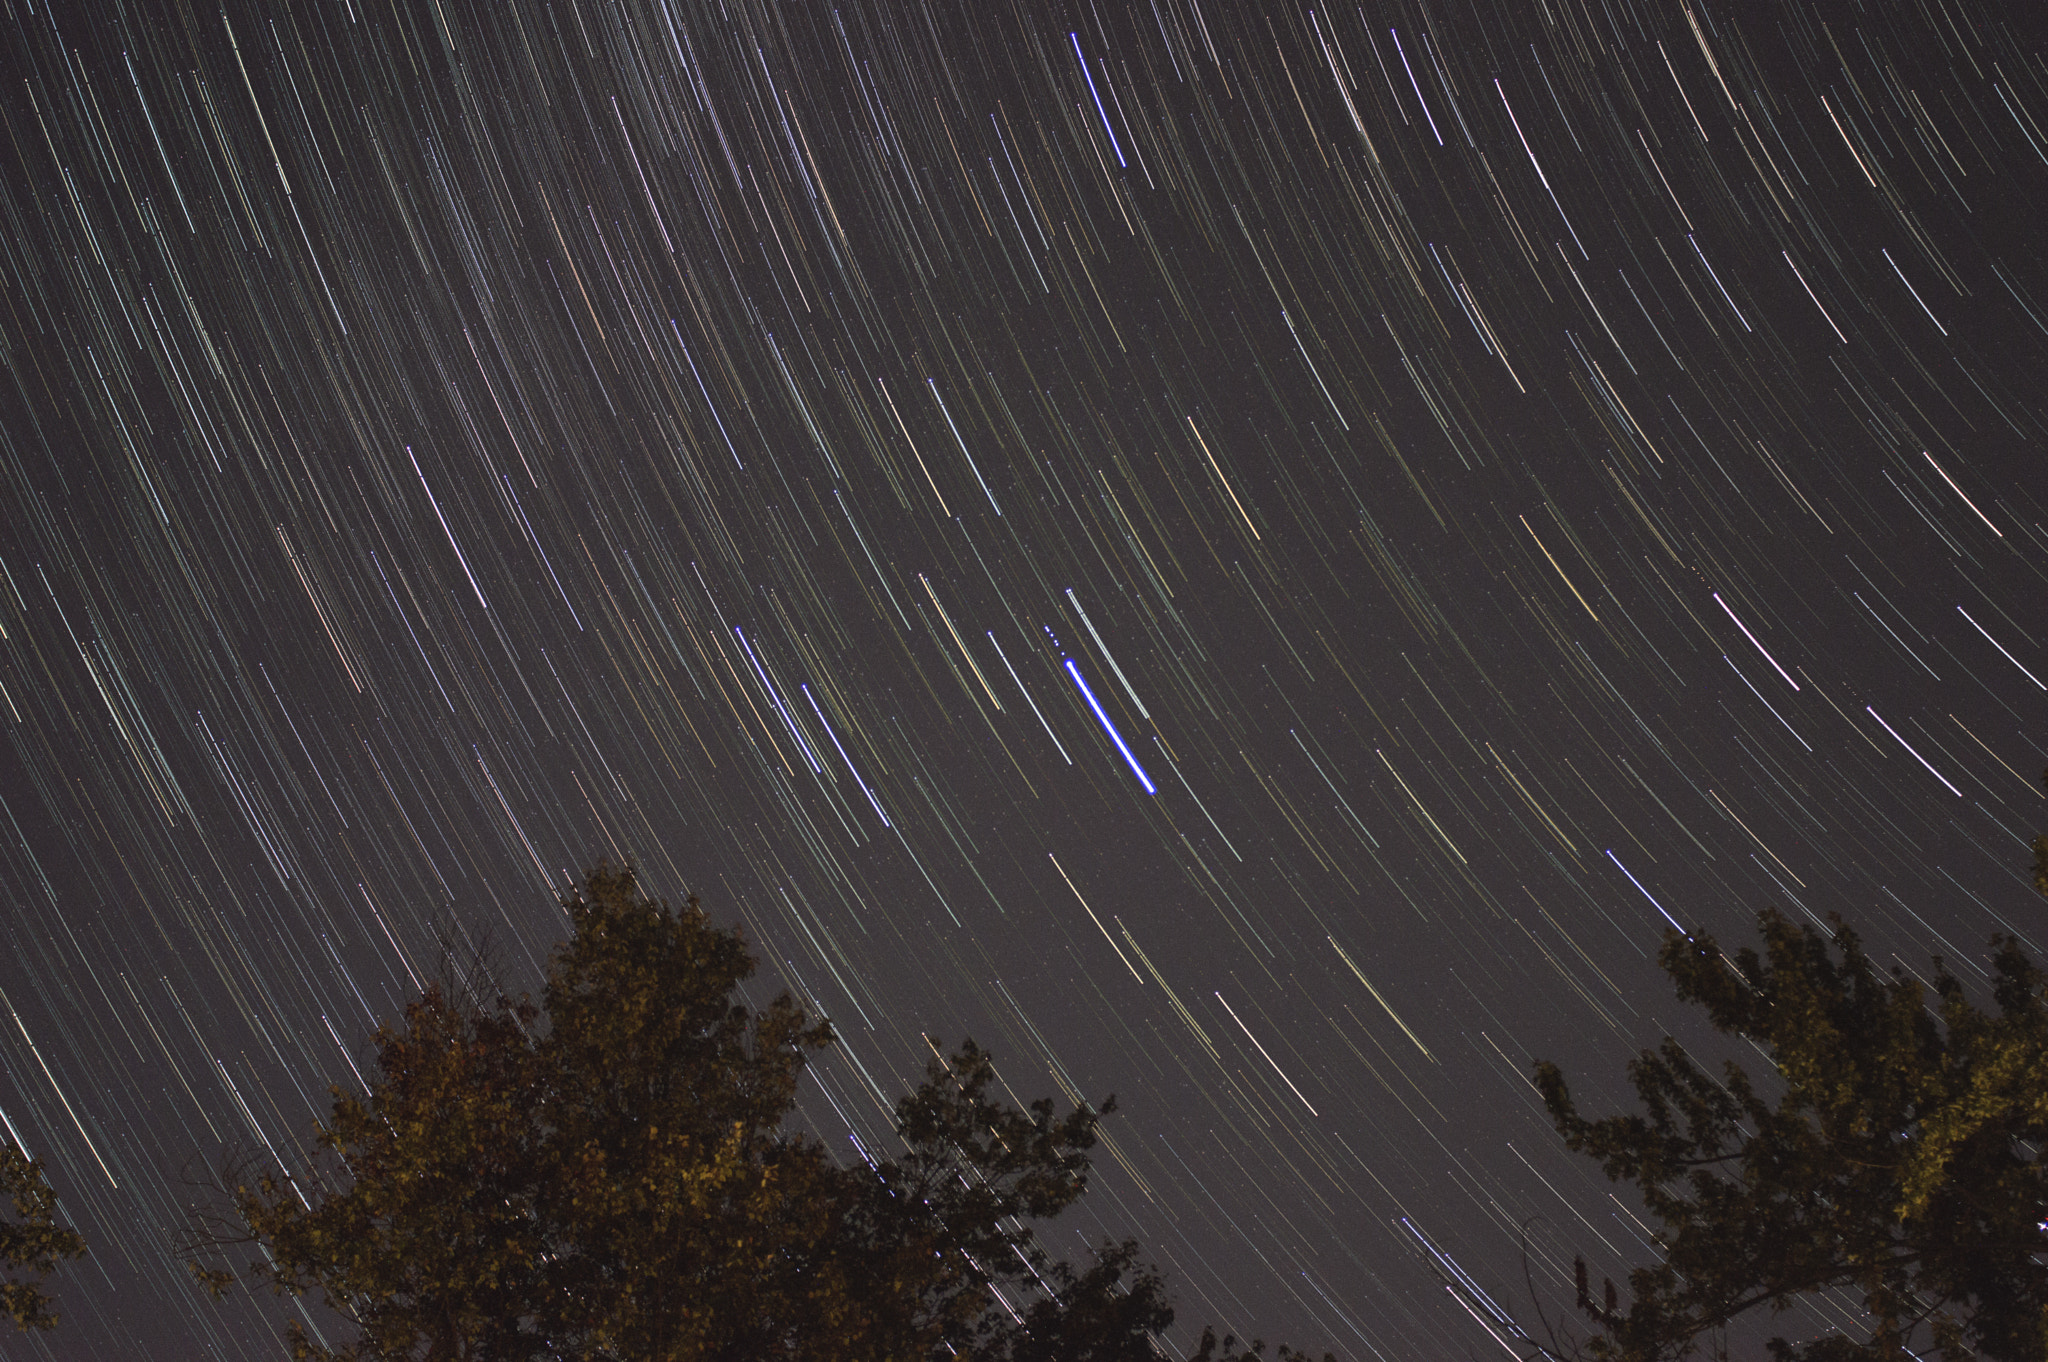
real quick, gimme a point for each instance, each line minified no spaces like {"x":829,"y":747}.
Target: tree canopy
{"x":610,"y":1173}
{"x":1900,"y":1165}
{"x":32,"y":1241}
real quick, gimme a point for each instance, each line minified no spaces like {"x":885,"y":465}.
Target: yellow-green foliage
{"x":1902,"y":1160}
{"x":30,"y":1243}
{"x":607,"y":1174}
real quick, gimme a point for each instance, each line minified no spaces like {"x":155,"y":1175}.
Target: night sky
{"x":1255,"y":558}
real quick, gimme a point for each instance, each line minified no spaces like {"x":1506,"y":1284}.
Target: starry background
{"x":1255,"y":558}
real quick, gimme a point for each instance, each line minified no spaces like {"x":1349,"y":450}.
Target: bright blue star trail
{"x":1470,"y":461}
{"x":1109,"y":727}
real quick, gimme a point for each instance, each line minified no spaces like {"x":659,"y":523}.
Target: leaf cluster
{"x":940,"y":1226}
{"x":1901,"y":1160}
{"x":1227,"y":1349}
{"x":609,"y":1174}
{"x":32,"y":1241}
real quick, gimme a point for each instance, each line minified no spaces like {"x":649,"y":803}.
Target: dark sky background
{"x":1251,"y":557}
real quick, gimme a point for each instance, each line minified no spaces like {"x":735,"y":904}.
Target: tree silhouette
{"x":31,"y":1242}
{"x":609,"y":1174}
{"x":1901,"y":1164}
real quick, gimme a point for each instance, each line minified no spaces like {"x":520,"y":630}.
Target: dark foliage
{"x":607,"y":1174}
{"x":1900,"y":1166}
{"x":31,"y":1242}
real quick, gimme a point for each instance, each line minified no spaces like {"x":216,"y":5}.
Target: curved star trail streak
{"x":443,"y":444}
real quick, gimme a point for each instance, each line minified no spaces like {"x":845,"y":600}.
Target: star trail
{"x":1254,"y":557}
